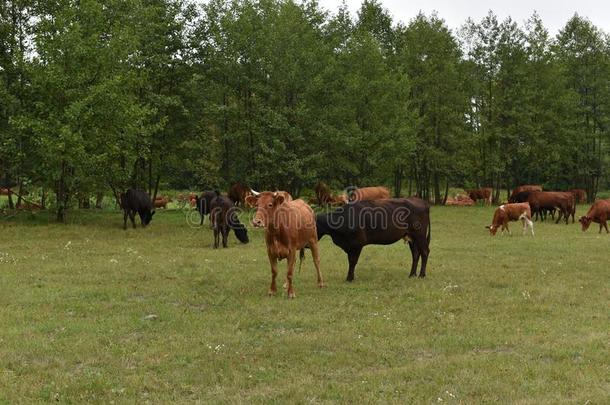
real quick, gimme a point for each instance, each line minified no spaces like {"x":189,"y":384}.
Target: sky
{"x":554,"y":13}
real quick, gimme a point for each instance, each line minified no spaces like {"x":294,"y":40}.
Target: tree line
{"x":104,"y":95}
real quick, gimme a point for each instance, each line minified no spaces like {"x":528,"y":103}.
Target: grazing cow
{"x":204,"y":203}
{"x":580,"y":195}
{"x":368,"y":194}
{"x":161,"y":202}
{"x":133,"y":201}
{"x":380,"y":222}
{"x":238,"y":192}
{"x":511,"y":212}
{"x":290,"y":226}
{"x":323,"y":194}
{"x":223,"y":215}
{"x":543,"y":201}
{"x":483,"y":193}
{"x":519,"y":189}
{"x":599,"y":213}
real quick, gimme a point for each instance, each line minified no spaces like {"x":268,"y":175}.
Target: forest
{"x":101,"y":95}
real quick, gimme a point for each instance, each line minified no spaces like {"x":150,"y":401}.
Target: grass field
{"x":505,"y":319}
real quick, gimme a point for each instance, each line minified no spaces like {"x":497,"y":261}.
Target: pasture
{"x":504,"y":319}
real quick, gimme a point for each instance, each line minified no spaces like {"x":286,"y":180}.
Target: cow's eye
{"x":270,"y":205}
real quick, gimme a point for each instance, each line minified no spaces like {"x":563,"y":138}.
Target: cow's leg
{"x":124,"y":219}
{"x":603,"y":222}
{"x":315,"y":253}
{"x":225,"y":235}
{"x":415,"y":253}
{"x":132,"y":217}
{"x":216,"y":237}
{"x":352,"y":257}
{"x":292,"y":258}
{"x":273,"y":263}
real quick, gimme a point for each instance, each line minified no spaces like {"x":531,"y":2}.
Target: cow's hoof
{"x":349,"y":280}
{"x":271,"y":293}
{"x":321,"y":285}
{"x":291,"y":294}
{"x":411,"y":275}
{"x":422,"y":276}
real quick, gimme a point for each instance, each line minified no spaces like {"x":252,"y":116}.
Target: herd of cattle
{"x":363,"y":216}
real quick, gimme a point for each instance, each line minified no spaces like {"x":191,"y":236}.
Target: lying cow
{"x":367,"y":194}
{"x":290,"y":226}
{"x":598,"y":213}
{"x":223,"y":215}
{"x":204,"y":203}
{"x":483,"y":193}
{"x":133,"y":201}
{"x":381,"y":222}
{"x":511,"y":212}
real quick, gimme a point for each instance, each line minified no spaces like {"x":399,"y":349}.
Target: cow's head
{"x":492,"y":229}
{"x":146,"y":217}
{"x":585,"y":221}
{"x":266,"y":203}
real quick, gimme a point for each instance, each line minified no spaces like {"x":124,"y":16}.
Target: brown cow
{"x":599,"y":213}
{"x":483,"y":193}
{"x":290,"y":226}
{"x":161,"y":202}
{"x":543,"y":201}
{"x":520,"y":189}
{"x":368,"y":194}
{"x":323,"y":194}
{"x":238,"y":192}
{"x":579,"y":194}
{"x":511,"y":212}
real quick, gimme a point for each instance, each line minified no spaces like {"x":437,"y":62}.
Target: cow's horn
{"x":255,"y":193}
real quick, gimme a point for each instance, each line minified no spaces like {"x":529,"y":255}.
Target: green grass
{"x":504,"y":319}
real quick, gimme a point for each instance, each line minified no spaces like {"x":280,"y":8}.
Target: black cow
{"x":379,"y":222}
{"x":133,"y":201}
{"x":223,"y":216}
{"x":204,"y":203}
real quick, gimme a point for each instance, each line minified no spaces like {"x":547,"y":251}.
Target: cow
{"x":522,"y":196}
{"x":290,"y":226}
{"x":511,"y":212}
{"x":599,"y":213}
{"x":542,"y":201}
{"x":323,"y":194}
{"x":527,"y":187}
{"x":223,"y":215}
{"x":133,"y":201}
{"x":285,"y":194}
{"x":367,"y":194}
{"x":580,"y":195}
{"x":483,"y":193}
{"x":161,"y":202}
{"x":204,"y":202}
{"x":379,"y":222}
{"x":238,"y":192}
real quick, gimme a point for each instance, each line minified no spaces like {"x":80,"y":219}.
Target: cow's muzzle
{"x":258,"y":223}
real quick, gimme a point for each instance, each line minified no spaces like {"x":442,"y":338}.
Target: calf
{"x":483,"y":193}
{"x":599,"y":213}
{"x":290,"y":226}
{"x":511,"y":212}
{"x":368,"y":194}
{"x":133,"y":201}
{"x":204,"y":203}
{"x":381,"y":222}
{"x":223,"y":215}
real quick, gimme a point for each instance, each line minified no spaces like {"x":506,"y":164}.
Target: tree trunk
{"x":98,"y":200}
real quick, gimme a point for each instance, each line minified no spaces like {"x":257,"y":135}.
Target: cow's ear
{"x":279,"y":199}
{"x":252,"y":200}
